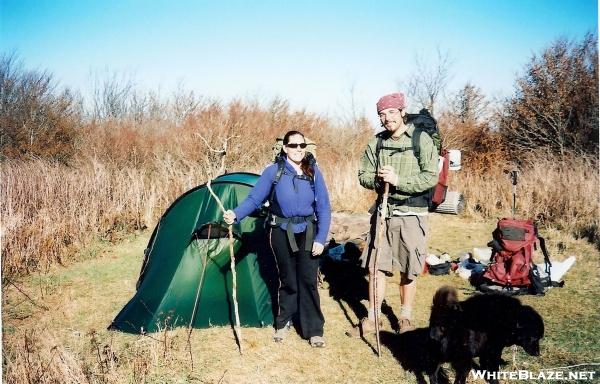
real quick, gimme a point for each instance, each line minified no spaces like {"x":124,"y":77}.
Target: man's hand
{"x":317,"y":248}
{"x":388,"y":175}
{"x":229,"y":217}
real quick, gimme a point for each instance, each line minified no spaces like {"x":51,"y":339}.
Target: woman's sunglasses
{"x":294,"y":145}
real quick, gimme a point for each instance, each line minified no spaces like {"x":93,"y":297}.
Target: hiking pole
{"x":380,"y":229}
{"x":236,"y":328}
{"x":513,"y":177}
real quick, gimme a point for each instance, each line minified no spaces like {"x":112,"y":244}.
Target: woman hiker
{"x":299,"y":220}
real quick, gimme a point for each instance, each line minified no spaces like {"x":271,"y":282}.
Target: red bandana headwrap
{"x":393,"y":100}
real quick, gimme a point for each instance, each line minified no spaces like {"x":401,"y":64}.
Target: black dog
{"x":482,"y":326}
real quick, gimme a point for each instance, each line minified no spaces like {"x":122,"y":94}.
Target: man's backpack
{"x":512,"y":267}
{"x":424,"y":122}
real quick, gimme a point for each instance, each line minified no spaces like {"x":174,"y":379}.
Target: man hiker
{"x":402,"y":244}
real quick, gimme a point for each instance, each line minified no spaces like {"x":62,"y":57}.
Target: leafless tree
{"x":110,"y":95}
{"x":465,"y":124}
{"x":470,"y":105}
{"x":184,"y":104}
{"x":429,"y":79}
{"x":117,"y":96}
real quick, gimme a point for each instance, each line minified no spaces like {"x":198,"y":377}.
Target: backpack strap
{"x":546,"y":255}
{"x":311,"y":162}
{"x":416,"y":142}
{"x":378,"y":187}
{"x":377,"y":150}
{"x":280,"y":168}
{"x":416,"y":147}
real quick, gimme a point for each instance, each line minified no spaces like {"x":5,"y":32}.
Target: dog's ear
{"x":445,"y":296}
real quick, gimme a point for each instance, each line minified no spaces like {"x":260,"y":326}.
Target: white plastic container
{"x":454,"y":156}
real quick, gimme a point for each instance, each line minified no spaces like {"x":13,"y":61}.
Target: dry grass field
{"x":54,"y":324}
{"x":50,"y":212}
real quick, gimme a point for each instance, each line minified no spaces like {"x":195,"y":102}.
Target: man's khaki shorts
{"x":403,"y":245}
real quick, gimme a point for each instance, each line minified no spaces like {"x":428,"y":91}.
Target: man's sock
{"x":405,"y":312}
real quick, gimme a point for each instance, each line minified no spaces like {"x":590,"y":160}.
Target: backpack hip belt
{"x":420,"y":200}
{"x":310,"y":233}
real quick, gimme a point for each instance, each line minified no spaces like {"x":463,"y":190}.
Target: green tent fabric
{"x":188,"y":257}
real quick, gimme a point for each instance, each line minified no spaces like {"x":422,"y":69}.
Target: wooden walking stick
{"x":236,"y":328}
{"x":222,"y":153}
{"x":380,"y":229}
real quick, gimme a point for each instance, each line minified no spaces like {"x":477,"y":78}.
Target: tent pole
{"x":200,"y":285}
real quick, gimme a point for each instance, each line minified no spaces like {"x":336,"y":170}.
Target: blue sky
{"x":310,"y":52}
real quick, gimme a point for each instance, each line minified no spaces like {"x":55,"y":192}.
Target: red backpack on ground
{"x":511,"y":269}
{"x":512,"y":253}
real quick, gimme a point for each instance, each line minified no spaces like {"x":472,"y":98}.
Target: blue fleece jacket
{"x":294,"y":196}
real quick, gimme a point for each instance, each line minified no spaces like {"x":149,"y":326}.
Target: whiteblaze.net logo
{"x":570,"y":373}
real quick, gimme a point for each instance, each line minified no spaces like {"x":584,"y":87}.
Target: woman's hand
{"x":229,"y":217}
{"x":317,"y":248}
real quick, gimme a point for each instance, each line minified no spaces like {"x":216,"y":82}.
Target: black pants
{"x":298,"y":291}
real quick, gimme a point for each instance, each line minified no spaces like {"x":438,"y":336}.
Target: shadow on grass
{"x":417,"y":353}
{"x":348,"y":285}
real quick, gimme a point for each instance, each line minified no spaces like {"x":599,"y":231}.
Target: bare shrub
{"x":468,"y":125}
{"x":556,"y":104}
{"x":36,"y":121}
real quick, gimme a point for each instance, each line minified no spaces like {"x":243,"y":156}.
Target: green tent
{"x":187,"y":265}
